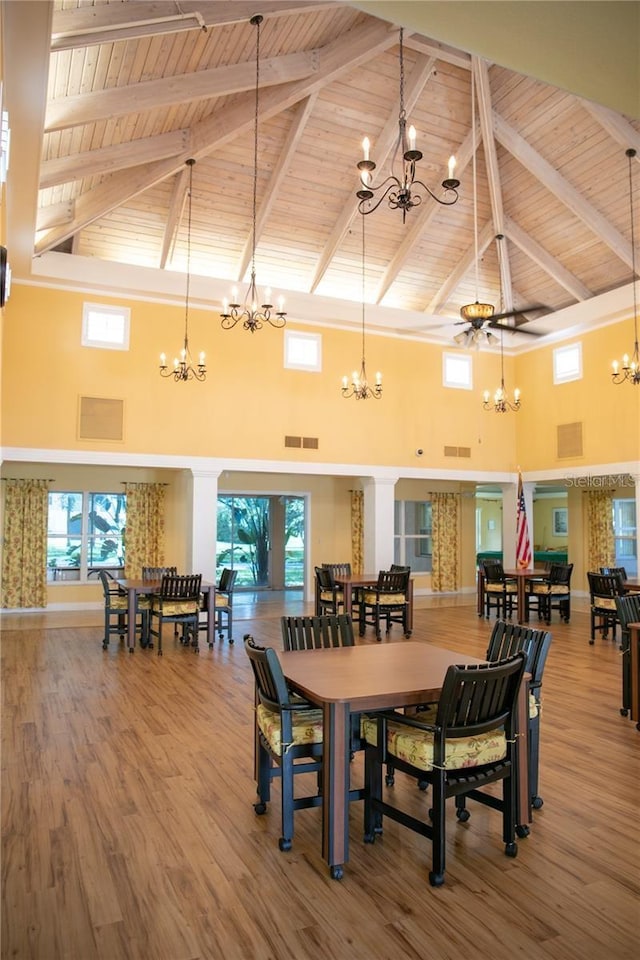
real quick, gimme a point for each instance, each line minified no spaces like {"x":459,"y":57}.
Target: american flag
{"x":523,"y":544}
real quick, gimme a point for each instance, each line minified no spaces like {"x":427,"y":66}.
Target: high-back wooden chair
{"x":116,"y":615}
{"x":552,"y":592}
{"x":500,"y":591}
{"x":388,"y":601}
{"x":177,"y":602}
{"x":289,"y":737}
{"x":470,"y":745}
{"x":329,"y":599}
{"x":604,"y":589}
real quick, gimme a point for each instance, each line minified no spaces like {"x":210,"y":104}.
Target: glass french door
{"x":263,"y":538}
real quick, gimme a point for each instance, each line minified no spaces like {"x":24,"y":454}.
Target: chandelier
{"x":360,"y":388}
{"x":500,"y":402}
{"x":183,"y":368}
{"x":252,"y":315}
{"x":630,"y":367}
{"x":401,"y":189}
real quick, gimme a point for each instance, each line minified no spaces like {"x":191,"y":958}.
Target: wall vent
{"x":293,"y":441}
{"x":310,"y":443}
{"x":100,"y":419}
{"x":457,"y":451}
{"x":569,"y":440}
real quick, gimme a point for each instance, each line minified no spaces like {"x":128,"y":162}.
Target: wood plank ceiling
{"x":136,"y":88}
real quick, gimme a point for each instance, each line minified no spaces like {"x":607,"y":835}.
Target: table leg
{"x":634,"y":666}
{"x":131,"y":617}
{"x":480,"y":596}
{"x":347,"y":594}
{"x":522,"y":589}
{"x":523,"y":802}
{"x":335,"y":786}
{"x":410,"y":607}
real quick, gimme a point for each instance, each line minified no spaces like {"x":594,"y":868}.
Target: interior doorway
{"x":263,"y":538}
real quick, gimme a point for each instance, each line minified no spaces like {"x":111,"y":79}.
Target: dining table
{"x":348,"y":582}
{"x":521,"y":575}
{"x":373,"y":677}
{"x":137,"y":586}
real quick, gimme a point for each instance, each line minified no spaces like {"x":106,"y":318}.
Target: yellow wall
{"x":610,"y":414}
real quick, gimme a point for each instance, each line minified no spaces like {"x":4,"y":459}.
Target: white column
{"x":204,"y":523}
{"x":378,"y":523}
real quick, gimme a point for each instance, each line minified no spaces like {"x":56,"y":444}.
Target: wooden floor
{"x":129,"y":831}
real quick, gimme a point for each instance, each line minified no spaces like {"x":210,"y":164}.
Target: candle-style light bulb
{"x":452,"y":166}
{"x":163,"y":359}
{"x":201,"y":358}
{"x":615,"y":366}
{"x":412,"y":137}
{"x":365,"y":148}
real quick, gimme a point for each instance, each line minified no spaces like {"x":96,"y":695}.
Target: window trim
{"x":460,"y":359}
{"x":107,"y":310}
{"x":567,"y":349}
{"x":291,"y":336}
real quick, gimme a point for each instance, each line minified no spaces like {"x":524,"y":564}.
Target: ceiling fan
{"x":481,"y":319}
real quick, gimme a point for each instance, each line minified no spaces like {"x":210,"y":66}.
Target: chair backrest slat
{"x":185,"y":587}
{"x":271,"y":685}
{"x":604,"y":585}
{"x":479,"y":697}
{"x":338,"y":569}
{"x":507,"y":639}
{"x":157,"y":573}
{"x":316,"y":632}
{"x":392,"y":581}
{"x":227,"y":580}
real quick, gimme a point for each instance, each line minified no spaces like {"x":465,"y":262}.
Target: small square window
{"x":457,"y":371}
{"x":303,"y":351}
{"x":105,"y":327}
{"x":567,"y":363}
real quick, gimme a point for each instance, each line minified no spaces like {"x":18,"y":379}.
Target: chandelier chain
{"x":630,"y":369}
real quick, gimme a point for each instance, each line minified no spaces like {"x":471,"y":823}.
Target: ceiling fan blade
{"x":508,"y":329}
{"x":517,"y":313}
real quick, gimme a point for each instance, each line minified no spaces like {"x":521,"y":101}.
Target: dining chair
{"x":500,"y":591}
{"x":552,"y":592}
{"x":116,"y":612}
{"x":177,"y":602}
{"x":329,"y":599}
{"x":628,"y":610}
{"x":604,"y":589}
{"x":322,"y":632}
{"x":388,"y":601}
{"x":289,"y":738}
{"x":621,"y":572}
{"x":223,"y":603}
{"x":470,"y":745}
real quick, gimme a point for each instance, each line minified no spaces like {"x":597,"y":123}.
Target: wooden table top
{"x":401,"y":672}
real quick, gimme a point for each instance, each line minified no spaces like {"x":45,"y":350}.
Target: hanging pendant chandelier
{"x":183,"y":366}
{"x":401,"y":186}
{"x":629,"y":370}
{"x":251,"y":313}
{"x":360,"y":388}
{"x":500,"y":402}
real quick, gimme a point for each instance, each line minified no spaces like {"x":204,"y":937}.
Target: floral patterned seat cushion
{"x":546,"y":589}
{"x":387,"y":598}
{"x":604,"y":603}
{"x":179,"y":608}
{"x":118,"y":601}
{"x":306,"y":727}
{"x":416,"y":746}
{"x":221,"y":601}
{"x":328,"y":596}
{"x":498,"y":588}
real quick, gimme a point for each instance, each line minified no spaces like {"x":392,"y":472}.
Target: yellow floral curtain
{"x":144,"y":537}
{"x":357,"y":530}
{"x":444,"y":522}
{"x":601,"y":551}
{"x":24,"y":554}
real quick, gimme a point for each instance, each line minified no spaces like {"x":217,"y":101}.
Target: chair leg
{"x":534,"y":762}
{"x":286,"y":786}
{"x":373,"y":791}
{"x":436,"y":874}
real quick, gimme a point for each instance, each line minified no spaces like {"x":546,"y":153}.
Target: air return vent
{"x":457,"y":451}
{"x":569,"y":440}
{"x":101,"y":419}
{"x":309,"y":443}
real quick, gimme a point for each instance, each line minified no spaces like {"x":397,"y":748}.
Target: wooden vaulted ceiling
{"x":136,"y":88}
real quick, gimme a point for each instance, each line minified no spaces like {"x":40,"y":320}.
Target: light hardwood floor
{"x":129,"y":831}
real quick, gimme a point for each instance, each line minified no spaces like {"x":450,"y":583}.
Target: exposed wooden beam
{"x":463,"y":266}
{"x":615,"y":125}
{"x":337,"y":58}
{"x":118,"y":156}
{"x":280,"y":172}
{"x":174,"y":216}
{"x":87,"y":26}
{"x":549,"y":264}
{"x":433,"y":48}
{"x":55,"y":215}
{"x":170,"y":91}
{"x":483,"y":93}
{"x":561,"y":188}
